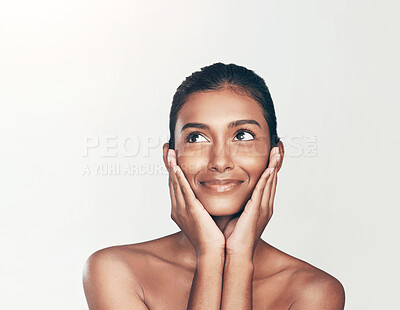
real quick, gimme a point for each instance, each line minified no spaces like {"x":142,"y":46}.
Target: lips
{"x":220,"y":185}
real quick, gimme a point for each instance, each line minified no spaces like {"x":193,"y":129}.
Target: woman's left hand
{"x":242,"y":233}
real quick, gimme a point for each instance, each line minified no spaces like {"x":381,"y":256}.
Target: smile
{"x":220,"y":186}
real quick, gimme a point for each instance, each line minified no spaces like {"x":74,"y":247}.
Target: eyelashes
{"x":192,"y":134}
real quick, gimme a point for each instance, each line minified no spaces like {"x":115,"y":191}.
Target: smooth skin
{"x":235,"y":244}
{"x":218,"y":259}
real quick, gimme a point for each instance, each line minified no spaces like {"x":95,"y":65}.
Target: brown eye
{"x":244,"y":136}
{"x":193,"y":138}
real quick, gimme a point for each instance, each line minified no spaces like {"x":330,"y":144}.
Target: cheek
{"x":191,"y":164}
{"x":254,"y":166}
{"x":252,"y":156}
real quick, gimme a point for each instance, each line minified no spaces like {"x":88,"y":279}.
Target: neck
{"x":221,"y":221}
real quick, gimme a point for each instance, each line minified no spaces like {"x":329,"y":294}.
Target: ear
{"x":281,"y":152}
{"x":165,"y":154}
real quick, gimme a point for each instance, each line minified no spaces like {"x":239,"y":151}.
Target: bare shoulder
{"x":111,"y":276}
{"x":109,"y":282}
{"x":294,"y":284}
{"x":312,"y":288}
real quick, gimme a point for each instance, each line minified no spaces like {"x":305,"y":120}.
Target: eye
{"x":244,"y":135}
{"x":193,"y":137}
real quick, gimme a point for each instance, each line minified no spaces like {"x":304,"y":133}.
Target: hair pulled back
{"x":216,"y":77}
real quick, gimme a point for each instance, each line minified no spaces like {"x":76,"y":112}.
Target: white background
{"x":77,"y":69}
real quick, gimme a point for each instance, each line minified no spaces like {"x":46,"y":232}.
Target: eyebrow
{"x":230,"y":125}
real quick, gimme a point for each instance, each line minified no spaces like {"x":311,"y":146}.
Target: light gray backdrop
{"x":87,"y":84}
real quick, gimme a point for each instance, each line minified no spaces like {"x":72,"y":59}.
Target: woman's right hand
{"x":190,"y":215}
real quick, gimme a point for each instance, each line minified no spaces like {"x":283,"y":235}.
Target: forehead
{"x":218,"y":108}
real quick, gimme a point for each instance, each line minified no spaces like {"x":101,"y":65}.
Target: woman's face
{"x":222,"y":146}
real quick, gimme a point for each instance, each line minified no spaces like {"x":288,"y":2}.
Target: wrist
{"x":238,"y":267}
{"x":239,"y":259}
{"x":212,"y":257}
{"x":211,"y":263}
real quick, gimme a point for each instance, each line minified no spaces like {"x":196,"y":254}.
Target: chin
{"x":217,"y":206}
{"x":222,"y":201}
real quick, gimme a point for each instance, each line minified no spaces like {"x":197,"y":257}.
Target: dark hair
{"x":218,"y":76}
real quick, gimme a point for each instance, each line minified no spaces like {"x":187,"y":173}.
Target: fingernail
{"x":276,"y":150}
{"x":175,"y":169}
{"x":272,"y":171}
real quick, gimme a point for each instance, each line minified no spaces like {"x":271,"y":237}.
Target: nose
{"x":220,"y":158}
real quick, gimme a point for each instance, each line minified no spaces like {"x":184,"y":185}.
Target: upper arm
{"x":322,"y":292}
{"x":109,"y":284}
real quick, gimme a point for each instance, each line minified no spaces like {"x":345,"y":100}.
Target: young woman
{"x":223,"y":158}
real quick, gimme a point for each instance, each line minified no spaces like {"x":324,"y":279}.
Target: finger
{"x":282,"y":152}
{"x":275,"y":159}
{"x":171,"y":189}
{"x":280,"y":163}
{"x":180,"y":201}
{"x":272,"y":154}
{"x":275,"y":152}
{"x":256,"y":197}
{"x":186,"y":189}
{"x":273,"y":191}
{"x":266,"y":192}
{"x":173,"y":201}
{"x":268,"y":187}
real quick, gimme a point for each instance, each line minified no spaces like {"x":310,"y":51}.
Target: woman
{"x":223,"y":158}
